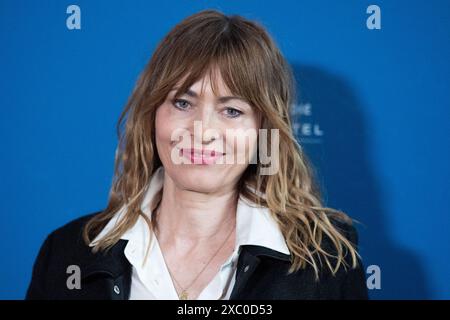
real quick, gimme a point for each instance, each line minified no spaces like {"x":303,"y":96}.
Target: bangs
{"x":223,"y":50}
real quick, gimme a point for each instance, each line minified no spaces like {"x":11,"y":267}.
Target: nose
{"x":206,"y":127}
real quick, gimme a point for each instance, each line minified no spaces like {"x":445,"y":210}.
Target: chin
{"x":200,"y":178}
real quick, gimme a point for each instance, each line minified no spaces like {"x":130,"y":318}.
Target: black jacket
{"x":261,"y":272}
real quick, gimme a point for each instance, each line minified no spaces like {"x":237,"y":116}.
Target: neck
{"x":190,"y":217}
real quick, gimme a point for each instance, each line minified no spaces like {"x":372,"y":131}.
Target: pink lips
{"x":201,"y":156}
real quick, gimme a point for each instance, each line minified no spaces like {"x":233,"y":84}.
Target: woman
{"x":198,"y":209}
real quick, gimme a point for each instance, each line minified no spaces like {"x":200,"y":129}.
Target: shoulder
{"x":72,"y":231}
{"x":67,"y":237}
{"x":348,"y":282}
{"x":67,"y":241}
{"x":346,"y":228}
{"x":62,"y":247}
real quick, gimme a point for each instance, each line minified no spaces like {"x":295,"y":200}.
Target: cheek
{"x":245,"y":143}
{"x":160,"y":129}
{"x":170,"y":132}
{"x":163,"y":131}
{"x":245,"y":147}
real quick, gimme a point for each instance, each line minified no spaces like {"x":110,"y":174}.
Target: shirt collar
{"x":254,"y":225}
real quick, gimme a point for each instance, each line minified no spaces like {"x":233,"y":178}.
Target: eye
{"x":232,"y":112}
{"x":181,"y":104}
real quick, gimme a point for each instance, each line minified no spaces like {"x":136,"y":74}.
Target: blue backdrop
{"x":374,"y":103}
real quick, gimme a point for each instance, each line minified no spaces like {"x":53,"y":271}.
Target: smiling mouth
{"x":201,"y":156}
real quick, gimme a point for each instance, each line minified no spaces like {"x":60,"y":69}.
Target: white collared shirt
{"x":151,"y":279}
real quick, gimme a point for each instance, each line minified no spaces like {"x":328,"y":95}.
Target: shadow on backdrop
{"x":347,"y":177}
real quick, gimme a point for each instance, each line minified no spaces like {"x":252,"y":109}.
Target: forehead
{"x":211,"y":82}
{"x":207,"y":84}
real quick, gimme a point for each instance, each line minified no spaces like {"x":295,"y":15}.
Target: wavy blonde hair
{"x":252,"y":67}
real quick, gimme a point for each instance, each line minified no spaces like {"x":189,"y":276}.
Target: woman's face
{"x":205,"y":142}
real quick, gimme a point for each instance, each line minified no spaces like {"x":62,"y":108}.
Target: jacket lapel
{"x":249,"y":259}
{"x":112,"y":269}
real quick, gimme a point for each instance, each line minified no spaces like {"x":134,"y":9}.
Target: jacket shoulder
{"x":72,"y":229}
{"x":349,"y":281}
{"x":347,"y":229}
{"x":60,"y":248}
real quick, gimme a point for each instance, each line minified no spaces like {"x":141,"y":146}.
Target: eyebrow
{"x":220,"y":99}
